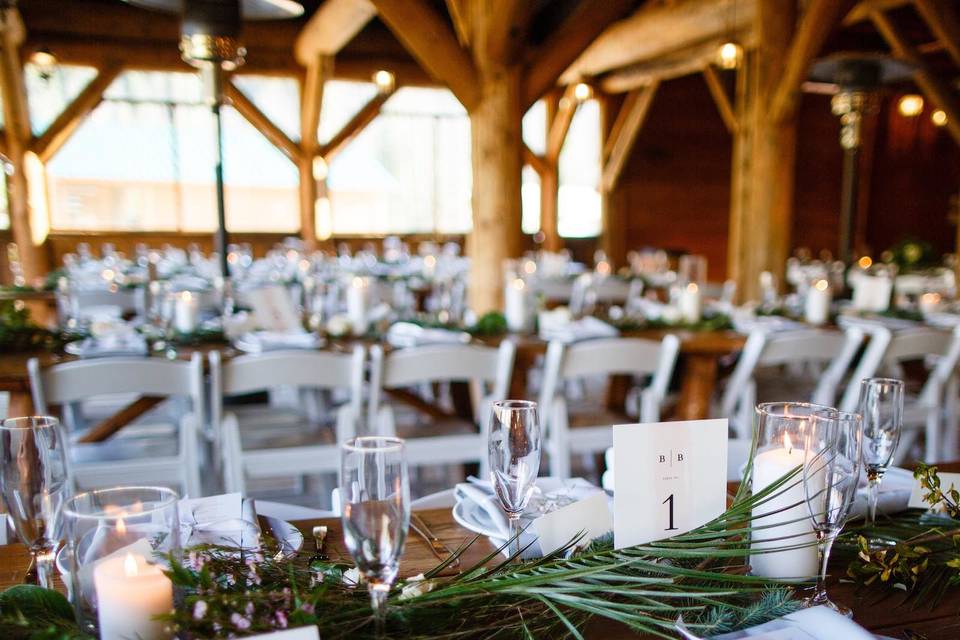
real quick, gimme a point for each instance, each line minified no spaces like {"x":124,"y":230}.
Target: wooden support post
{"x":53,"y":139}
{"x":613,"y":217}
{"x":623,"y":135}
{"x":550,"y":178}
{"x":720,"y":98}
{"x":764,"y":157}
{"x":18,"y":135}
{"x":262,"y":123}
{"x":354,"y":126}
{"x":318,"y":69}
{"x":930,"y":85}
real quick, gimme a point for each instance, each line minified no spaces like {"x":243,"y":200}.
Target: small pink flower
{"x":281,"y":619}
{"x":199,"y":609}
{"x":240,"y":622}
{"x":307,"y":608}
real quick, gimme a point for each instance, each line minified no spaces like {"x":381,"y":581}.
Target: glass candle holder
{"x":117,"y":541}
{"x":783,"y":541}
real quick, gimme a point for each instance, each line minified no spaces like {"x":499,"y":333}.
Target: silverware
{"x":439,"y":549}
{"x":319,"y":543}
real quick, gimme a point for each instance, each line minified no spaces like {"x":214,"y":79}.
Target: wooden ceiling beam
{"x":862,"y":10}
{"x":942,"y":19}
{"x":354,"y":126}
{"x":721,"y":98}
{"x":674,"y":65}
{"x":262,"y":123}
{"x":560,"y":124}
{"x":624,"y":134}
{"x":318,"y":72}
{"x":331,"y":27}
{"x":932,"y":87}
{"x":57,"y":134}
{"x":566,"y":43}
{"x":461,"y":24}
{"x":819,"y":19}
{"x":427,"y":37}
{"x":536,"y":161}
{"x":656,"y":29}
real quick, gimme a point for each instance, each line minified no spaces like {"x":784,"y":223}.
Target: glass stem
{"x":873,"y":495}
{"x":824,"y":545}
{"x":43,"y":558}
{"x":378,"y":602}
{"x":514,"y":519}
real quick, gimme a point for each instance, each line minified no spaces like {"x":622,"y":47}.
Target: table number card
{"x":670,"y":477}
{"x":590,"y":516}
{"x":273,"y":309}
{"x":947,"y":481}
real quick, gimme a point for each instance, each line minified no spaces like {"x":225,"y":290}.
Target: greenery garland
{"x":699,"y":575}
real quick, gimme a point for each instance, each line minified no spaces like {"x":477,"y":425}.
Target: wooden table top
{"x":885,"y":617}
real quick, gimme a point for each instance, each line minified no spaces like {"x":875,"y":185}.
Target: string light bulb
{"x":384,"y":80}
{"x":729,"y":55}
{"x":582,"y":92}
{"x":45,"y":62}
{"x":939,"y":118}
{"x":910,"y":105}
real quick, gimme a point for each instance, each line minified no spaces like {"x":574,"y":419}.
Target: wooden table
{"x":883,"y":618}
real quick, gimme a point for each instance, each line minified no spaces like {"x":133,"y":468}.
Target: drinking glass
{"x":881,"y":405}
{"x":34,"y":483}
{"x":513,"y":447}
{"x":831,"y":470}
{"x":375,"y":500}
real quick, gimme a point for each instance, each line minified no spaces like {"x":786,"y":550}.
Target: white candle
{"x":357,"y":294}
{"x":429,"y":266}
{"x":797,"y":528}
{"x":130,"y":592}
{"x":515,"y":305}
{"x":186,"y":312}
{"x":872,"y":293}
{"x":690,"y":303}
{"x":817,"y":307}
{"x":929,"y":303}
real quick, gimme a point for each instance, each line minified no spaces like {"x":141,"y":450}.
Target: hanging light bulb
{"x":910,"y":105}
{"x":45,"y":62}
{"x":384,"y":80}
{"x":582,"y":92}
{"x":939,"y":118}
{"x":729,"y":55}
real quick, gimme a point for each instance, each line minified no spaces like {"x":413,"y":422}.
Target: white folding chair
{"x":604,"y":357}
{"x":128,"y":460}
{"x":932,"y":410}
{"x":831,"y":351}
{"x":262,"y":451}
{"x":487,"y":370}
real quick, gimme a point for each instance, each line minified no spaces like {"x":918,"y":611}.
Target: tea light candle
{"x":788,"y":507}
{"x":929,"y":303}
{"x":357,"y":301}
{"x":186,"y":312}
{"x":690,"y":303}
{"x":130,"y":592}
{"x":816,"y":310}
{"x":515,"y":305}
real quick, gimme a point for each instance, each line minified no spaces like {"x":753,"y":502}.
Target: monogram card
{"x":669,"y":478}
{"x":274,"y":310}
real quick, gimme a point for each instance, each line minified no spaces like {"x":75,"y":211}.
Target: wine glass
{"x":881,"y":405}
{"x":513,"y":447}
{"x":831,"y":469}
{"x":375,"y":499}
{"x":34,"y":483}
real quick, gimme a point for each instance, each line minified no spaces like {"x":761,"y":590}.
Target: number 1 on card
{"x":670,"y":500}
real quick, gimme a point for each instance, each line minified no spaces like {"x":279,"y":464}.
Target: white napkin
{"x":894,"y":493}
{"x":407,"y":334}
{"x":942,"y":319}
{"x":845,"y":320}
{"x":745,"y":323}
{"x":478,"y":508}
{"x":260,"y":341}
{"x":815,"y":623}
{"x":111,"y":345}
{"x":587,"y":328}
{"x":227,"y":520}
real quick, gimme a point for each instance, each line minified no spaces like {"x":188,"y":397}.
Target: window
{"x":578,"y":213}
{"x":408,"y":172}
{"x":534,"y":128}
{"x":144,"y":160}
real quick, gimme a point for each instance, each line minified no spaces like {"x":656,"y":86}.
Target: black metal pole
{"x":848,"y":201}
{"x":220,"y":239}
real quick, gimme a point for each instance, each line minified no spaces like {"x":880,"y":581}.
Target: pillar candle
{"x":186,"y":312}
{"x":690,"y":303}
{"x":130,"y":592}
{"x":357,"y":294}
{"x":817,"y":307}
{"x":515,"y":305}
{"x":797,"y":528}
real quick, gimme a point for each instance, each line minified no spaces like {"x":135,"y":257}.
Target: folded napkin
{"x":845,"y":320}
{"x":942,"y":319}
{"x":815,"y":623}
{"x":893,"y":496}
{"x":747,"y":323}
{"x":260,"y":341}
{"x":587,"y":328}
{"x":226,"y":520}
{"x":407,"y":334}
{"x":111,"y":345}
{"x":478,"y":508}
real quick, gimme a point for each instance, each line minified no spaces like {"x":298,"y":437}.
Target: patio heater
{"x":210,"y":41}
{"x":858,"y":78}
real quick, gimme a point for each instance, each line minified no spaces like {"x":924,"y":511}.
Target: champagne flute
{"x":375,"y":499}
{"x":831,"y":470}
{"x":881,"y":405}
{"x":34,"y":483}
{"x":513,"y":447}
